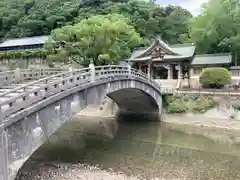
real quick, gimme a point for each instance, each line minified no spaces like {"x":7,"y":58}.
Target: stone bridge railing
{"x":21,"y":75}
{"x":57,"y":83}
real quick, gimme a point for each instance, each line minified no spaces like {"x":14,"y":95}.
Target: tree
{"x":20,"y":18}
{"x":151,"y":20}
{"x":217,"y":29}
{"x":105,"y":39}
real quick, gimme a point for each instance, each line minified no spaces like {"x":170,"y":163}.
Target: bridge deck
{"x":13,"y":86}
{"x":14,"y":90}
{"x":26,"y":75}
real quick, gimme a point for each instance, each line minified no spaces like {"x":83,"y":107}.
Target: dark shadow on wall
{"x":164,"y":100}
{"x":132,"y":117}
{"x":134,"y":101}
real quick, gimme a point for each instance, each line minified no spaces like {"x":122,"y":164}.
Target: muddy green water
{"x":150,"y":149}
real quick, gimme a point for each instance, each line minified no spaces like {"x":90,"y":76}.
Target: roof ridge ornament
{"x":161,"y":39}
{"x":163,"y":45}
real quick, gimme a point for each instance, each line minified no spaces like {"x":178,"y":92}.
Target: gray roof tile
{"x":24,"y":41}
{"x":184,"y":49}
{"x":208,"y":59}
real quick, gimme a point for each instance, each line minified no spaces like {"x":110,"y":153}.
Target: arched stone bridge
{"x":30,"y":113}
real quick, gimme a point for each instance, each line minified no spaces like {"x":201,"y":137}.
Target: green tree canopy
{"x":217,"y":29}
{"x":20,"y":18}
{"x":150,"y":20}
{"x":103,"y":38}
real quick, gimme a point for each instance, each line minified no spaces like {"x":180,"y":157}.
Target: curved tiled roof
{"x":162,"y":44}
{"x":207,"y":59}
{"x":177,"y":51}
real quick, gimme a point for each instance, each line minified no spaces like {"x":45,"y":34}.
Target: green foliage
{"x":32,"y":18}
{"x":203,"y":104}
{"x":23,"y":54}
{"x":215,"y":77}
{"x":236,"y":106}
{"x":174,"y":104}
{"x":218,"y":28}
{"x":195,"y":103}
{"x":176,"y":107}
{"x":21,"y":18}
{"x":150,"y":20}
{"x":104,"y":38}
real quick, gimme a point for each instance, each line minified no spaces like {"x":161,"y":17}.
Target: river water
{"x":147,"y":149}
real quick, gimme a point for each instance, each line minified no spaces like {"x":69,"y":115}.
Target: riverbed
{"x":132,"y":149}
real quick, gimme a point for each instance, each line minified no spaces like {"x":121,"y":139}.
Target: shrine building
{"x":163,"y":61}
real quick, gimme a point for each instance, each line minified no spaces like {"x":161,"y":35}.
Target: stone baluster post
{"x":92,"y":71}
{"x":17,"y":74}
{"x":70,"y":70}
{"x":191,"y":73}
{"x":1,"y":115}
{"x":129,"y":69}
{"x":140,"y":68}
{"x":3,"y":155}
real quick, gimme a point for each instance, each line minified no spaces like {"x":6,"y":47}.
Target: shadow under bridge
{"x":133,"y":102}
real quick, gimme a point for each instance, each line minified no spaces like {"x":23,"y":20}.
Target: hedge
{"x":215,"y":77}
{"x":188,"y":103}
{"x":23,"y":53}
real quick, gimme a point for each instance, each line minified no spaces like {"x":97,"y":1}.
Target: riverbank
{"x":202,"y":121}
{"x":63,"y":171}
{"x":210,"y":124}
{"x":211,"y":119}
{"x":218,"y":130}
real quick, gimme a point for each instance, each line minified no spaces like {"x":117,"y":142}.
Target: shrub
{"x":167,"y":99}
{"x":194,"y":96}
{"x":203,"y":104}
{"x":176,"y":107}
{"x":215,"y":77}
{"x":195,"y":103}
{"x":236,"y":106}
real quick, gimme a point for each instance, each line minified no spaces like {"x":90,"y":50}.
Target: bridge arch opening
{"x":135,"y":103}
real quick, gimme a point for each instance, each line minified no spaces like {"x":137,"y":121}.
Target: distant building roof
{"x":24,"y":41}
{"x":208,"y":59}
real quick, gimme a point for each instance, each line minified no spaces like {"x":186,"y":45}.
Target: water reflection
{"x":147,"y":148}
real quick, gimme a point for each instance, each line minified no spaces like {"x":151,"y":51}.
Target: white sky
{"x":194,"y":6}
